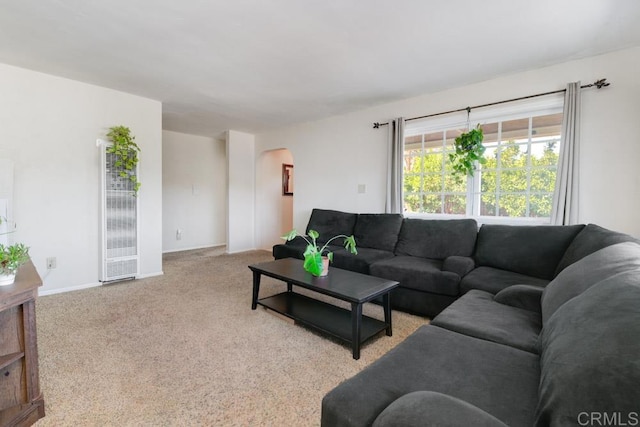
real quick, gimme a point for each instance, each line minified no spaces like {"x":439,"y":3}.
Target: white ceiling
{"x":251,"y":65}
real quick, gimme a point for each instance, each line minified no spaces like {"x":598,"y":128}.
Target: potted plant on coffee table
{"x":317,"y":258}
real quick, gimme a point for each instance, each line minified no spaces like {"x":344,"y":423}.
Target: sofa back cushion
{"x":377,"y":231}
{"x":531,"y":250}
{"x":583,"y":274}
{"x":589,"y":240}
{"x":437,"y":239}
{"x":589,"y":355}
{"x":329,"y":223}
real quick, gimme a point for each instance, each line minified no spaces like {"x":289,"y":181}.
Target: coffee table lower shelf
{"x":322,"y":316}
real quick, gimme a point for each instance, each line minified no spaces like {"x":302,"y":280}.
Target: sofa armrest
{"x":296,"y":241}
{"x":527,"y":297}
{"x":292,"y":248}
{"x":428,"y":408}
{"x":461,"y":265}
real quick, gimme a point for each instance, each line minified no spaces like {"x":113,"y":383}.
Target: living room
{"x":52,"y":119}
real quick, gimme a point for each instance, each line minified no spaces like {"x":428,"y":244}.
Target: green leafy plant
{"x":126,"y":151}
{"x":12,"y":256}
{"x":313,"y":253}
{"x":469,"y":150}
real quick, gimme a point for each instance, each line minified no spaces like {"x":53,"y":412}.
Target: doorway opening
{"x":274,"y":196}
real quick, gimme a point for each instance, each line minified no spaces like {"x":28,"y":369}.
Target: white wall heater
{"x":119,"y":242}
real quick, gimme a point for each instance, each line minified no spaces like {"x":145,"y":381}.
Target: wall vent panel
{"x":119,"y":243}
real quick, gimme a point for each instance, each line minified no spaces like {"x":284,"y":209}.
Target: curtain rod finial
{"x":601,"y":83}
{"x":376,"y":125}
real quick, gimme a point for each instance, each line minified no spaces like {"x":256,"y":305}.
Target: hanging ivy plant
{"x":469,"y":150}
{"x":126,"y":151}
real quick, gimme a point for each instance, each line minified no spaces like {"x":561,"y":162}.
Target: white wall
{"x":194,"y":191}
{"x":49,"y":131}
{"x":334,"y":155}
{"x":276,"y":216}
{"x":240,"y":191}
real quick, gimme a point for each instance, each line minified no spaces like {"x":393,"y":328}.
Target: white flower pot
{"x":7,"y":279}
{"x":325,"y":266}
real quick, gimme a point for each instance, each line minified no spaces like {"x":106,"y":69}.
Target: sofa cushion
{"x":417,"y":273}
{"x":530,"y":250}
{"x":361,"y":262}
{"x":494,"y":280}
{"x":581,"y":275}
{"x":421,"y":303}
{"x":437,"y":239}
{"x":477,"y":314}
{"x":377,"y":231}
{"x":527,"y":297}
{"x":329,"y":223}
{"x":500,"y":380}
{"x":428,"y":408}
{"x":461,"y":265}
{"x":589,"y":354}
{"x":589,"y":240}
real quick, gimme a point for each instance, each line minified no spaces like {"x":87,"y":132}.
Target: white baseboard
{"x":46,"y":292}
{"x":146,"y":275}
{"x":241,"y":251}
{"x":215,"y":245}
{"x":68,"y":289}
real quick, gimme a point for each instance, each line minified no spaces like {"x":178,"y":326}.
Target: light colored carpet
{"x":185,"y":349}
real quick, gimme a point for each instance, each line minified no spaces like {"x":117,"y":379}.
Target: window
{"x":517,"y":180}
{"x":429,"y":186}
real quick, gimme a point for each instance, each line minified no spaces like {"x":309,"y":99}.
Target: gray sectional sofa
{"x":564,"y":355}
{"x":533,"y":325}
{"x":437,"y":261}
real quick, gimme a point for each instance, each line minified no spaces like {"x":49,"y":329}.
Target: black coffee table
{"x":355,"y":288}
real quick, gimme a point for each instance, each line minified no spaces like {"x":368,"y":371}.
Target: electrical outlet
{"x":178,"y":234}
{"x":51,"y":263}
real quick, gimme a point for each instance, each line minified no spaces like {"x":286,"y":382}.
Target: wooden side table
{"x":21,"y":401}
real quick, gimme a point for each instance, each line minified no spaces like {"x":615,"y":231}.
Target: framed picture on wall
{"x":287,"y":180}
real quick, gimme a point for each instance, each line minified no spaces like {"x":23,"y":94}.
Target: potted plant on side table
{"x":317,"y":259}
{"x":11,"y":258}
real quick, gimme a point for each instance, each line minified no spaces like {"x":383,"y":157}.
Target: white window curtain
{"x":394,"y":166}
{"x":564,"y":210}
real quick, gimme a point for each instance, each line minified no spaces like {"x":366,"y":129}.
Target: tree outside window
{"x":517,"y":180}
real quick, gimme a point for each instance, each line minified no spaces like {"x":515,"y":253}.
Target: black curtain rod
{"x":598,"y":84}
